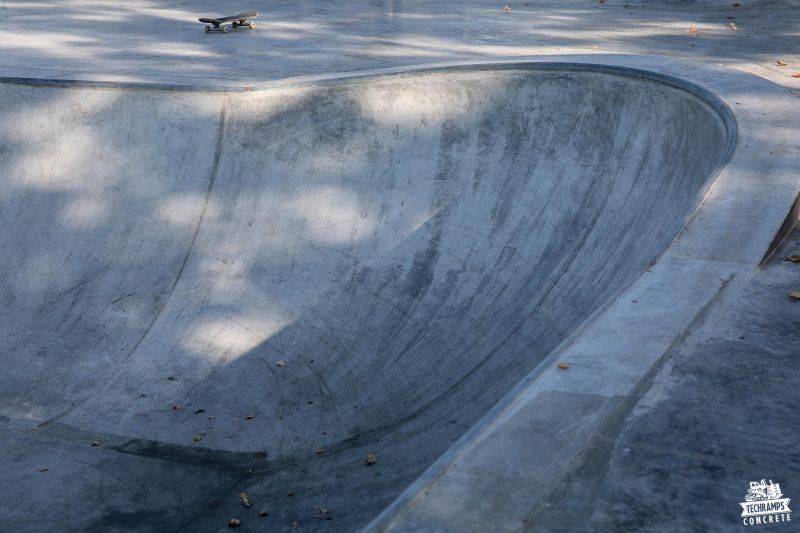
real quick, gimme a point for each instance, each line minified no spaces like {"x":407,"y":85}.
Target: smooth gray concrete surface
{"x":363,"y":266}
{"x":268,"y":247}
{"x":162,"y":41}
{"x":682,"y":459}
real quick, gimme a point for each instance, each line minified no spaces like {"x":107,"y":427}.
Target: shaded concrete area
{"x":720,"y":412}
{"x":266,"y":260}
{"x":253,"y":292}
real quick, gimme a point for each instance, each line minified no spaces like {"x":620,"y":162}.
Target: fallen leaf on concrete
{"x":506,"y":9}
{"x":290,"y":493}
{"x":245,"y":499}
{"x":95,"y":443}
{"x":281,"y":363}
{"x":197,"y":438}
{"x":371,"y":459}
{"x":42,"y":469}
{"x":234,"y":522}
{"x":249,"y":417}
{"x":263,"y":514}
{"x":319,"y":451}
{"x":564,"y":366}
{"x":794,"y":295}
{"x":295,"y":524}
{"x":794,"y":258}
{"x":781,"y":63}
{"x":199,"y":411}
{"x":692,"y":29}
{"x":176,"y":407}
{"x":732,"y":26}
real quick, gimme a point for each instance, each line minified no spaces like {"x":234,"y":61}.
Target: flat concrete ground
{"x":717,"y":412}
{"x":151,"y":41}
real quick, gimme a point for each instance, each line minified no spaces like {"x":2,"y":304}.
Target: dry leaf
{"x":245,"y":499}
{"x":781,"y":63}
{"x":794,"y":295}
{"x":290,"y":493}
{"x":42,"y":469}
{"x":564,"y":366}
{"x":794,"y":258}
{"x":295,"y":524}
{"x":199,"y":411}
{"x":692,"y":29}
{"x":371,"y":459}
{"x":95,"y":443}
{"x":262,"y":514}
{"x":197,"y":438}
{"x":506,"y":9}
{"x":249,"y":417}
{"x":234,"y":522}
{"x":176,"y":407}
{"x":319,"y":451}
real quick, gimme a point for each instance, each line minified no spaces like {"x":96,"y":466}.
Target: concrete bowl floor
{"x":250,"y":283}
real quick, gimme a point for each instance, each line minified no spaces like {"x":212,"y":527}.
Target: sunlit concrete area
{"x":399,"y":266}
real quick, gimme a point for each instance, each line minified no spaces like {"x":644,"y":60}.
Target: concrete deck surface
{"x":253,"y":271}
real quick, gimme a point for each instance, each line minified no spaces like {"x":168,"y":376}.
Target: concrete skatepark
{"x":248,"y":279}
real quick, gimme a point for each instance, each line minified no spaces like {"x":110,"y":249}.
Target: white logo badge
{"x":764,"y":504}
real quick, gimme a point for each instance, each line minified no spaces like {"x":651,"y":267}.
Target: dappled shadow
{"x":146,"y":41}
{"x":410,"y":248}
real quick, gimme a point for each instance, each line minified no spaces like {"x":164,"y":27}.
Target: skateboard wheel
{"x":252,"y":25}
{"x":224,"y":29}
{"x":208,"y":29}
{"x":235,"y":24}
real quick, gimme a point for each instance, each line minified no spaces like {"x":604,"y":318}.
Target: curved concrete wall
{"x":410,"y":246}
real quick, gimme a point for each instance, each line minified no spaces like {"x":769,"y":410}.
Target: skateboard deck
{"x":240,"y":20}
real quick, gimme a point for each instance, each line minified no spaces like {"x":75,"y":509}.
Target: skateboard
{"x":239,"y":21}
